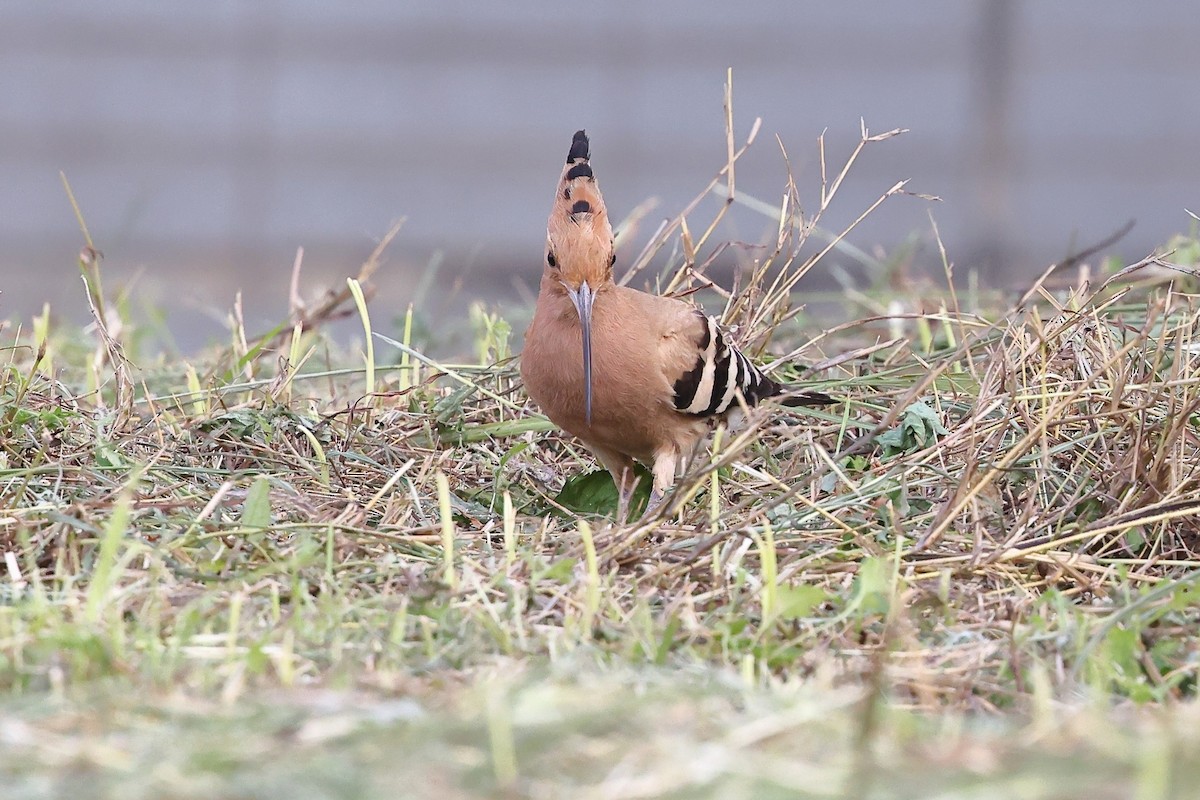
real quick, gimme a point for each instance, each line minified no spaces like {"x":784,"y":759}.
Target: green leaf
{"x":919,"y":428}
{"x":899,"y":497}
{"x":1124,"y":651}
{"x":853,"y":465}
{"x":1185,"y":597}
{"x":448,"y":409}
{"x":241,"y":423}
{"x":799,"y":601}
{"x":892,"y":441}
{"x":596,"y":493}
{"x":516,"y":449}
{"x":256,"y":350}
{"x":256,"y":511}
{"x":558,"y":572}
{"x":1134,"y":539}
{"x":872,"y":585}
{"x":923,"y":422}
{"x":108,"y":456}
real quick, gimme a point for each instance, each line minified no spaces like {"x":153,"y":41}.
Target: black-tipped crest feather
{"x":579,"y":147}
{"x":579,"y":171}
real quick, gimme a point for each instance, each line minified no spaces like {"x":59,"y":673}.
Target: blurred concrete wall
{"x":205,"y":141}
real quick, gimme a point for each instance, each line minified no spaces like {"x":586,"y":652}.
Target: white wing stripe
{"x":704,"y":389}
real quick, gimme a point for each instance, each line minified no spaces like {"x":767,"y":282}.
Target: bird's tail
{"x":794,"y":399}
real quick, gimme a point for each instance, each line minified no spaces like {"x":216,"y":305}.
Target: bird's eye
{"x":551,"y":260}
{"x":612,"y":259}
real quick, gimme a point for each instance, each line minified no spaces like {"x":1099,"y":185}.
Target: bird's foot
{"x":655,"y":504}
{"x":623,"y":500}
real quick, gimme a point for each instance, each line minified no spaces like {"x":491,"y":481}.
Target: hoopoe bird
{"x":632,"y":375}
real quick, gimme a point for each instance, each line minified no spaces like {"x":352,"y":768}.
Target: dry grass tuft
{"x":1001,"y":511}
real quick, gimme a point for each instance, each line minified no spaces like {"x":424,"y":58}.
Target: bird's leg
{"x":625,"y":486}
{"x":666,"y":465}
{"x":622,"y":469}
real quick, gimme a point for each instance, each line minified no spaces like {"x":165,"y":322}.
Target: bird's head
{"x":579,"y":246}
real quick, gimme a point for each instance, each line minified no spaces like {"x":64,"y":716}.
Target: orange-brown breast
{"x":641,"y":344}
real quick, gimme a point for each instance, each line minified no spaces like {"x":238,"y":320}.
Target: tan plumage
{"x":660,"y":369}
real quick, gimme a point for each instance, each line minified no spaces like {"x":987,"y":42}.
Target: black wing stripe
{"x":721,"y":371}
{"x":692,"y":389}
{"x":757,"y":386}
{"x":720,"y":377}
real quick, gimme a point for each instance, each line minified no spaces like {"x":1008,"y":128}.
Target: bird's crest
{"x":578,"y":234}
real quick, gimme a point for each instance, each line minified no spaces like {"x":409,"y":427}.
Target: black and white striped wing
{"x":721,"y":371}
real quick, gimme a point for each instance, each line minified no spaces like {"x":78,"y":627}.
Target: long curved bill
{"x":582,"y":298}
